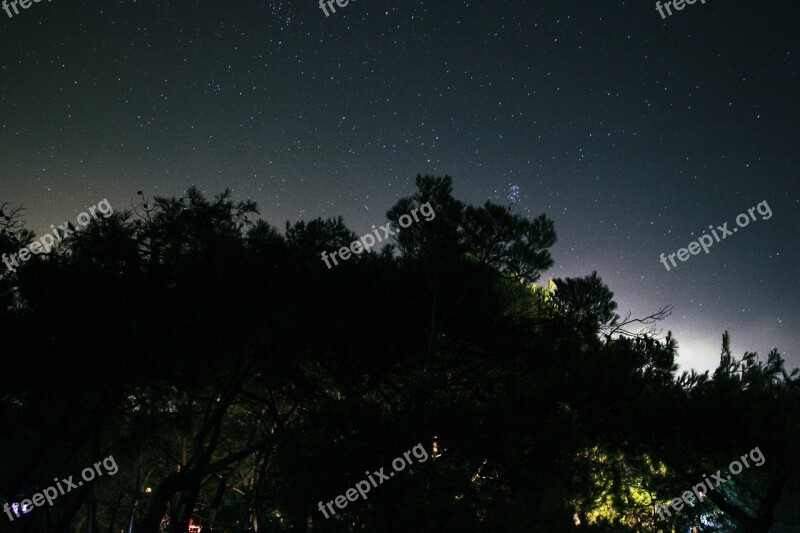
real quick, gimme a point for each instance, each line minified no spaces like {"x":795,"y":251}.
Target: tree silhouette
{"x":238,"y":381}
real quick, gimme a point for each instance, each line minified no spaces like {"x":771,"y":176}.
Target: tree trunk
{"x":158,"y":505}
{"x":72,"y":508}
{"x":222,"y":488}
{"x":115,"y":511}
{"x":766,"y":510}
{"x":185,"y":509}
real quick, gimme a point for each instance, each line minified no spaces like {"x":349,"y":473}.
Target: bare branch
{"x":648,"y":322}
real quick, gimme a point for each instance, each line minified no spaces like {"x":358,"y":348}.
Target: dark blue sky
{"x":632,"y":132}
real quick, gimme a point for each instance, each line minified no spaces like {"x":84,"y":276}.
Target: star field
{"x":632,"y":132}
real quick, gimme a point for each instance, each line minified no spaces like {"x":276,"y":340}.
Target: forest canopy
{"x":238,"y":382}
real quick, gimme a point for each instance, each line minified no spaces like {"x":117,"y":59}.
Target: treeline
{"x":238,"y":382}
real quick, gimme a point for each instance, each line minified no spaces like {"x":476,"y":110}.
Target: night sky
{"x":633,"y":133}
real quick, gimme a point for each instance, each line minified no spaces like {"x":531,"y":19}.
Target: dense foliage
{"x":238,"y":381}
